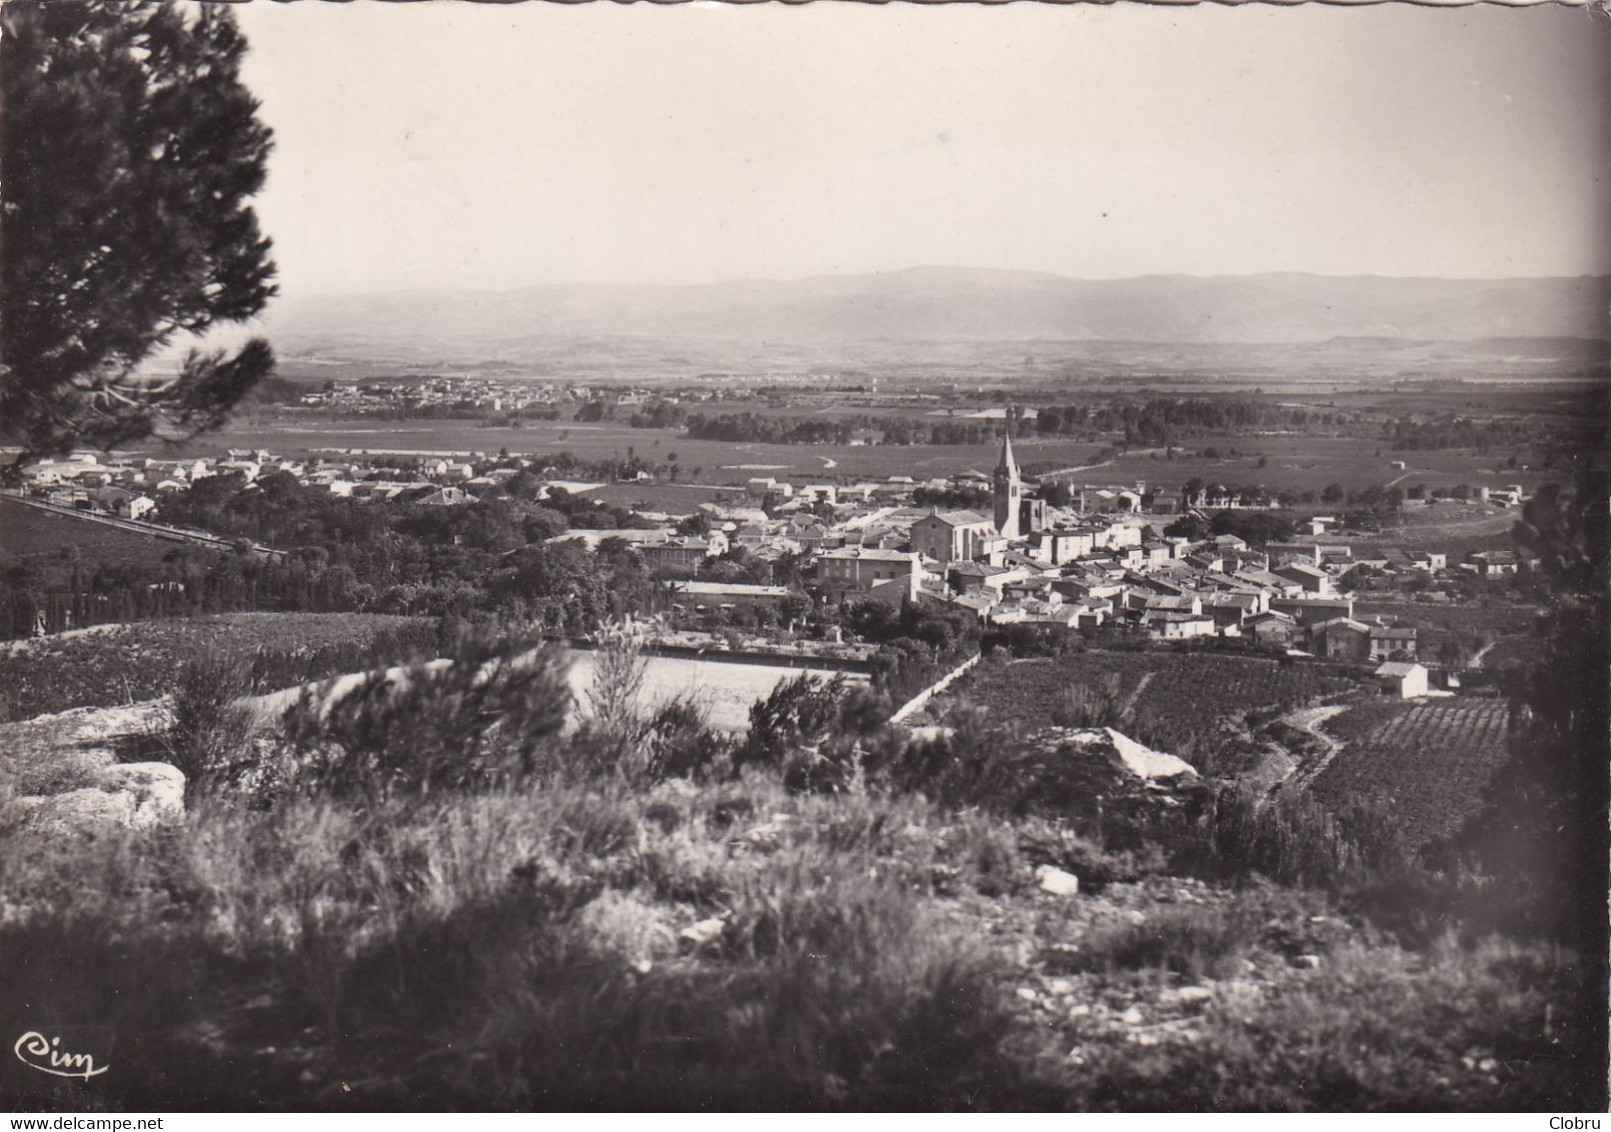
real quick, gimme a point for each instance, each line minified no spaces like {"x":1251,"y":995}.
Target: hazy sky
{"x":454,"y":145}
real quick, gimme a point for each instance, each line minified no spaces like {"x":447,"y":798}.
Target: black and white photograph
{"x":804,"y":557}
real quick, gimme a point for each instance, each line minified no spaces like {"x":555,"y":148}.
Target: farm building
{"x":1230,"y":610}
{"x":730,"y":593}
{"x":1272,"y":628}
{"x":121,"y":501}
{"x":759,"y":487}
{"x":1312,"y":579}
{"x":1313,"y":610}
{"x":1404,"y":679}
{"x":1492,"y":563}
{"x":444,"y":497}
{"x":1165,"y":502}
{"x":867,"y":571}
{"x":980,"y":577}
{"x":136,"y":507}
{"x":1342,"y":638}
{"x":1170,"y":625}
{"x":1388,"y":642}
{"x":684,"y":554}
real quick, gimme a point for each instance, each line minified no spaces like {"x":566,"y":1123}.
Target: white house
{"x":1406,"y":679}
{"x":136,"y":507}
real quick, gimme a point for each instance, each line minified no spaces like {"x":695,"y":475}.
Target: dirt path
{"x":12,"y":648}
{"x":1308,"y":720}
{"x":1072,"y":471}
{"x":1135,"y":694}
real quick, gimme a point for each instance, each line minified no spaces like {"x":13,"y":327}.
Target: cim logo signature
{"x":36,"y":1051}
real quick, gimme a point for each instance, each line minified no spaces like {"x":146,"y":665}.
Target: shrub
{"x":485,"y":717}
{"x":799,"y":731}
{"x":1195,"y":942}
{"x":531,"y":942}
{"x":973,"y":764}
{"x":1376,"y":1029}
{"x":828,"y":988}
{"x":1093,"y":705}
{"x":208,"y":731}
{"x":622,"y":739}
{"x":1292,"y":838}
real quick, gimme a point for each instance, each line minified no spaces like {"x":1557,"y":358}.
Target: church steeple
{"x":1008,"y":489}
{"x":1007,"y":465}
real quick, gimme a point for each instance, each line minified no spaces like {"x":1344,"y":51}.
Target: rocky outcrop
{"x":1143,"y":761}
{"x":1092,"y":771}
{"x":126,"y":795}
{"x":158,"y":790}
{"x":66,"y":779}
{"x":90,"y":734}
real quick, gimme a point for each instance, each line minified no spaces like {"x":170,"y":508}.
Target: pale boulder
{"x":158,"y":790}
{"x":76,"y":811}
{"x":1057,"y":882}
{"x":704,"y":932}
{"x":135,"y":796}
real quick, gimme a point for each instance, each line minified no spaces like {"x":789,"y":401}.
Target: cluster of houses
{"x":484,"y":393}
{"x":498,"y":395}
{"x":130,"y":487}
{"x":1025,"y":562}
{"x":1029,"y":563}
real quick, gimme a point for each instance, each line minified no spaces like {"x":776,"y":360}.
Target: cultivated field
{"x":1425,"y":763}
{"x":121,"y":664}
{"x":29,"y":533}
{"x":1452,"y":527}
{"x":1176,"y":702}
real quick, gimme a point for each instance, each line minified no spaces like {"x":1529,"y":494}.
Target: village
{"x":1111,"y":561}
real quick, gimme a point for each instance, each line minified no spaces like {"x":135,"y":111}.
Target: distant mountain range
{"x":930,"y":303}
{"x":964,"y":324}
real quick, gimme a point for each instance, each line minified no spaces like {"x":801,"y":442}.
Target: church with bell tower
{"x":1016,"y":516}
{"x":1008,"y":490}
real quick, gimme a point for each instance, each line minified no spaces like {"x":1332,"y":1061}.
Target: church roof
{"x":957,"y":518}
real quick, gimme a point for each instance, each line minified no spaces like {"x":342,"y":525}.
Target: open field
{"x":1560,"y":399}
{"x":1427,"y":763}
{"x":725,"y":690}
{"x":1304,"y":463}
{"x":707,"y":461}
{"x":1453,"y":527}
{"x":1296,"y":463}
{"x":27,"y":532}
{"x":1175,"y":702}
